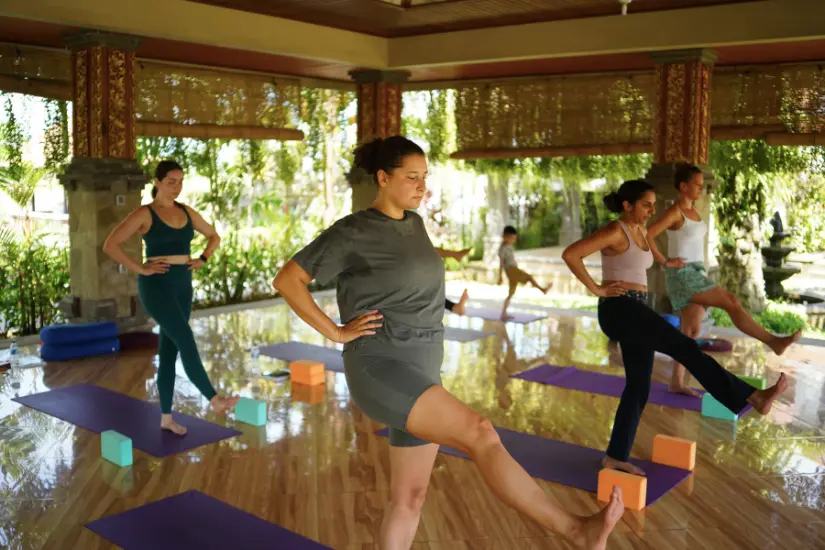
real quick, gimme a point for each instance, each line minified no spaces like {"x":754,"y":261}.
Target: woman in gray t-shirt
{"x":390,"y":287}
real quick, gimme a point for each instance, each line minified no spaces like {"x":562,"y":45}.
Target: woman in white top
{"x":689,"y":288}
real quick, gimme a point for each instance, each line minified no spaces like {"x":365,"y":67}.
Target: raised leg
{"x":473,"y":434}
{"x":721,"y":298}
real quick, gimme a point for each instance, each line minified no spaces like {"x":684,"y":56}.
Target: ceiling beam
{"x":206,"y":24}
{"x":712,"y":26}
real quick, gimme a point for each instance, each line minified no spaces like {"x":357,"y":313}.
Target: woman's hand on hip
{"x":363,"y":325}
{"x":678,"y":263}
{"x":610,"y":290}
{"x":154,"y":267}
{"x":195,"y":264}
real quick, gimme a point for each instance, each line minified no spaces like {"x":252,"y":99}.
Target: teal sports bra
{"x":163,"y":240}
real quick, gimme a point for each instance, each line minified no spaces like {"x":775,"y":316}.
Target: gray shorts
{"x":385,"y":382}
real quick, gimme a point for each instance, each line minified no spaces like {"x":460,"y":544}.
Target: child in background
{"x":508,"y":265}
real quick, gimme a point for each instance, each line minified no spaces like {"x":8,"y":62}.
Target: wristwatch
{"x":203,"y":258}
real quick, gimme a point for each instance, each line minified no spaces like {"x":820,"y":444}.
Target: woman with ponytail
{"x":165,"y":283}
{"x":624,"y":316}
{"x":390,"y":283}
{"x":688,"y":287}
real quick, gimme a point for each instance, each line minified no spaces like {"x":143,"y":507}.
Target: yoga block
{"x":310,"y":373}
{"x":714,"y":409}
{"x":309,"y":394}
{"x":634,"y":488}
{"x":116,"y":448}
{"x":249,"y":411}
{"x":674,"y":451}
{"x":758,"y":382}
{"x":673,"y":320}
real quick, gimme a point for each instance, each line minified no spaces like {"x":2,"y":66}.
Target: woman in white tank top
{"x":689,"y":288}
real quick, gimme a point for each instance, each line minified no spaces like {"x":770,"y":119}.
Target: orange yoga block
{"x":674,"y":451}
{"x":634,"y":488}
{"x":310,"y":373}
{"x":309,"y":394}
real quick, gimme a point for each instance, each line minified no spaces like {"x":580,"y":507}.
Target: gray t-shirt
{"x":384,"y":264}
{"x":506,"y":253}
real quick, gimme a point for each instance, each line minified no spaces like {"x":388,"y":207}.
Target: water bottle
{"x":254,"y":354}
{"x":14,"y":355}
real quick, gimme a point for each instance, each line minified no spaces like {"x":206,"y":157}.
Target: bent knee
{"x":481,"y":433}
{"x":410,"y":498}
{"x":732,"y":301}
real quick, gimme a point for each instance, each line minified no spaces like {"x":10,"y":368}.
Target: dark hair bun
{"x":384,"y":154}
{"x":611,"y":202}
{"x":366,"y":156}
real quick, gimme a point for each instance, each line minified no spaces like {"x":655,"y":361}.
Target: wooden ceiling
{"x":394,"y":18}
{"x":37,"y":33}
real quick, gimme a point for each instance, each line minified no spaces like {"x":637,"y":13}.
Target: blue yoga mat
{"x":573,"y":465}
{"x":98,"y":409}
{"x":195,"y":520}
{"x":297,"y":351}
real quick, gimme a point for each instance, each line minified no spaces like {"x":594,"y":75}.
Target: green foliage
{"x":35,"y":277}
{"x":747,"y":172}
{"x":778,"y":318}
{"x":56,"y":136}
{"x":806,"y":212}
{"x":12,"y":139}
{"x":19,"y":182}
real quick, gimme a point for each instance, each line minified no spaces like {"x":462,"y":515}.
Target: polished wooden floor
{"x":317,"y":469}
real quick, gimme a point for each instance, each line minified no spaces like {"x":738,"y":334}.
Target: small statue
{"x":776,"y":222}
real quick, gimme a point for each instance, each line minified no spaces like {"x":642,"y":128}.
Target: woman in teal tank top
{"x":165,"y":283}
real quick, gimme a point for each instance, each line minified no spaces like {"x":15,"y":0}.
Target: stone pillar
{"x":681,"y":134}
{"x":379,"y":115}
{"x":104,"y":181}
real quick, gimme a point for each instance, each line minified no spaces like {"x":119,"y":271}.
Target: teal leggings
{"x":167,"y":298}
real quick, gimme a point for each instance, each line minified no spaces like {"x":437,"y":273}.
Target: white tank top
{"x":688,"y":241}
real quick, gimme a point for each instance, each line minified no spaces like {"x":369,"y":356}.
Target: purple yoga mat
{"x":599,"y":383}
{"x":495,"y":315}
{"x":195,"y":520}
{"x":98,"y":409}
{"x":456,"y":334}
{"x":573,"y":465}
{"x":296,"y":351}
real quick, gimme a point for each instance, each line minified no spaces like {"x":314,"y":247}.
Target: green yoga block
{"x":714,"y":409}
{"x":250,"y":411}
{"x":116,"y":448}
{"x":757,"y":382}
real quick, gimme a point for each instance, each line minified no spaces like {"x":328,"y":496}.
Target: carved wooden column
{"x":681,"y":134}
{"x":379,"y":115}
{"x":103,"y":181}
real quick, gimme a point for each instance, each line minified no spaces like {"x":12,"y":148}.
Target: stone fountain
{"x":774,"y":270}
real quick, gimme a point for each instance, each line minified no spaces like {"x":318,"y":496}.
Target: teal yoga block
{"x":116,"y":448}
{"x":757,"y":382}
{"x":250,"y":411}
{"x":714,"y":409}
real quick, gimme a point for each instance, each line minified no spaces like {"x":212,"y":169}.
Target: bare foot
{"x":781,"y":344}
{"x":461,"y":307}
{"x":593,"y":532}
{"x":506,"y":317}
{"x":685,"y":390}
{"x":168,"y":424}
{"x":546,"y":289}
{"x":762,"y":400}
{"x":222,"y":404}
{"x":614,"y":464}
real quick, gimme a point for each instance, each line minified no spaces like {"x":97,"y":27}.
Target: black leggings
{"x":641,"y":332}
{"x":448,"y":305}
